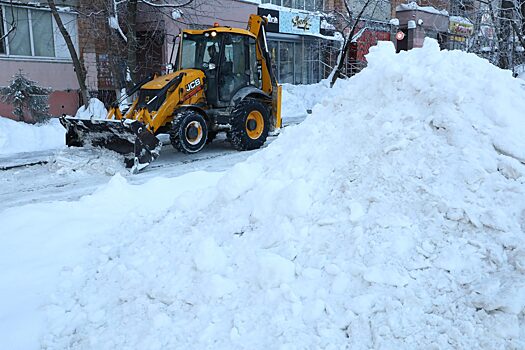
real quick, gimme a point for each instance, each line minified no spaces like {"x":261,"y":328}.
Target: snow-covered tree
{"x":26,"y":96}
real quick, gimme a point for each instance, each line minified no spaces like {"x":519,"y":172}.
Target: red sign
{"x":400,"y":35}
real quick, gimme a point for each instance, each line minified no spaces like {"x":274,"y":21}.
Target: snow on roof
{"x":460,"y":19}
{"x":326,"y":25}
{"x":413,"y":6}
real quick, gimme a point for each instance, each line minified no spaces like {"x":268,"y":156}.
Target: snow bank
{"x":95,"y":110}
{"x":392,"y":217}
{"x":42,"y":244}
{"x":299,"y":99}
{"x":16,"y":137}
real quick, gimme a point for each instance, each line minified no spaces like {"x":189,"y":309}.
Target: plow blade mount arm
{"x":128,"y":137}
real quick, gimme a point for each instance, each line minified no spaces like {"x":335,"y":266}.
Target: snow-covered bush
{"x":26,"y":96}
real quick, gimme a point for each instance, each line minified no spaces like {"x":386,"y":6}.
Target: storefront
{"x":417,"y":23}
{"x":295,"y":42}
{"x":460,"y":30}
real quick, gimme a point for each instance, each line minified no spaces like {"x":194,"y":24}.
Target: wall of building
{"x":59,"y":76}
{"x":225,"y":12}
{"x":56,"y":73}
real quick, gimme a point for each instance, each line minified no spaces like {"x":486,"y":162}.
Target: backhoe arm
{"x":256,"y":25}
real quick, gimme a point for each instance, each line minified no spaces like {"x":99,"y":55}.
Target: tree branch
{"x":79,"y":68}
{"x":166,"y":5}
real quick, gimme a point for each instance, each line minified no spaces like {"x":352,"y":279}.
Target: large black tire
{"x":250,"y":123}
{"x":189,"y":132}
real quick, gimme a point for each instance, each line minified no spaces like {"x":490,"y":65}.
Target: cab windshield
{"x":199,"y":51}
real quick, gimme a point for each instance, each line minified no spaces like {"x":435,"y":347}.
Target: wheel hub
{"x":193,"y":133}
{"x":251,"y":125}
{"x":254,"y":124}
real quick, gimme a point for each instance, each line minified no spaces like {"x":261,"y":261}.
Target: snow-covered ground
{"x":392,"y":217}
{"x":19,"y":137}
{"x":42,"y":170}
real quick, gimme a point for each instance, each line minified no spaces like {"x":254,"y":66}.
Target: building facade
{"x":32,"y":44}
{"x":296,"y":40}
{"x":295,"y":33}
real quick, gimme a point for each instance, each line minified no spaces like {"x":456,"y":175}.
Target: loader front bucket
{"x":128,"y":137}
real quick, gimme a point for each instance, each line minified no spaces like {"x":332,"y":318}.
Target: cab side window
{"x":255,"y":69}
{"x":235,"y":69}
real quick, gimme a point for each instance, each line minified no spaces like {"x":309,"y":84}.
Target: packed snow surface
{"x":393,"y":217}
{"x":16,"y":137}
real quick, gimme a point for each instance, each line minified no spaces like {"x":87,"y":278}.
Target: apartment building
{"x":31,"y":43}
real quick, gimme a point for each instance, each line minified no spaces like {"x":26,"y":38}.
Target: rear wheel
{"x":250,"y":123}
{"x":189,"y":132}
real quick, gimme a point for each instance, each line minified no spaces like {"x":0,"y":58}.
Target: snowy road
{"x":45,"y":179}
{"x":69,"y":174}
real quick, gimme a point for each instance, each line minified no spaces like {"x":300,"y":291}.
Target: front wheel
{"x":189,"y":132}
{"x":250,"y":123}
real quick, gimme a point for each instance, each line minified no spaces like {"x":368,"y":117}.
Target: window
{"x":298,"y":4}
{"x":2,"y":31}
{"x":296,"y":62}
{"x":275,"y":2}
{"x":19,"y":40}
{"x":254,"y":67}
{"x":286,"y":61}
{"x":198,"y":51}
{"x":309,"y":5}
{"x":298,"y":68}
{"x":35,"y":33}
{"x":233,"y":70}
{"x":42,"y":26}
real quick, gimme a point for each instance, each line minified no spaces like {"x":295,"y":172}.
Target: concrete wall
{"x":430,"y":21}
{"x":55,"y":75}
{"x":60,"y":102}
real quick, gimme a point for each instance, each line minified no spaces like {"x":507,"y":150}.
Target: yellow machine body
{"x":189,"y":92}
{"x":184,"y":104}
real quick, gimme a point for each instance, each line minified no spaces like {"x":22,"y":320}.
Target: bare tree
{"x":348,"y":39}
{"x":359,"y":32}
{"x":79,"y":67}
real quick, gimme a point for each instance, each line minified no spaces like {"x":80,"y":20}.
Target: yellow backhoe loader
{"x":223,"y":82}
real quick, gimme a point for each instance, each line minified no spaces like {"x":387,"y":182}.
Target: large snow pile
{"x":18,"y":137}
{"x":392,"y":217}
{"x":298,"y":100}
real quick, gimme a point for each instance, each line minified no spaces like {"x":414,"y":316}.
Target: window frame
{"x":318,"y":5}
{"x":3,"y":29}
{"x":54,"y":30}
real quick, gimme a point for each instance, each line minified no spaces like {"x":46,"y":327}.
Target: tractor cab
{"x":227,"y":57}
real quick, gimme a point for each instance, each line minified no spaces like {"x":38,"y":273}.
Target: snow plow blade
{"x":128,"y":137}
